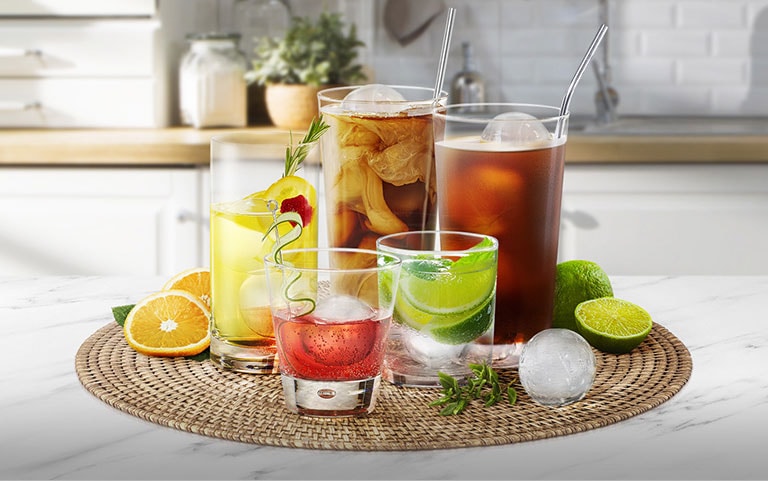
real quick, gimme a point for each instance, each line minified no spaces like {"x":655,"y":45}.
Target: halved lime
{"x":613,"y":325}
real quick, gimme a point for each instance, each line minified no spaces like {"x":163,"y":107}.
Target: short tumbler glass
{"x":331,"y":323}
{"x":445,"y":305}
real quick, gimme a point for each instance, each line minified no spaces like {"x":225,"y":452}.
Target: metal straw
{"x":444,"y":53}
{"x":582,"y":67}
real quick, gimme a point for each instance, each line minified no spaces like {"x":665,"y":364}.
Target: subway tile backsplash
{"x":668,"y":57}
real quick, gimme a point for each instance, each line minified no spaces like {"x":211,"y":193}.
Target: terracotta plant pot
{"x":292,"y":106}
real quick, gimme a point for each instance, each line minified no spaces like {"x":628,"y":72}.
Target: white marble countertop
{"x":714,"y":428}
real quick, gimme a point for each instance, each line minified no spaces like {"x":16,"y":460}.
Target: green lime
{"x":575,"y":282}
{"x":463,"y":327}
{"x":612,"y":325}
{"x":434,"y":288}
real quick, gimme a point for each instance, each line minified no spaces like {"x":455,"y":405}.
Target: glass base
{"x":409,"y":373}
{"x":247,"y":357}
{"x":330,"y":398}
{"x":414,"y":360}
{"x":506,"y":356}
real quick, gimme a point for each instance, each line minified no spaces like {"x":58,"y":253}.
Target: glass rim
{"x":442,"y":112}
{"x":441,"y":252}
{"x":322,"y":94}
{"x":392,"y":261}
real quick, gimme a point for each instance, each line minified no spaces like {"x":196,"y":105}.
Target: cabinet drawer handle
{"x":189,"y":216}
{"x":9,"y":106}
{"x":6,"y":52}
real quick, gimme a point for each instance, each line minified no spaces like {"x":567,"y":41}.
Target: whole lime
{"x":577,"y":281}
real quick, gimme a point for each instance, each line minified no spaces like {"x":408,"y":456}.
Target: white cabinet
{"x":91,"y":221}
{"x":63,"y":64}
{"x":667,"y":219}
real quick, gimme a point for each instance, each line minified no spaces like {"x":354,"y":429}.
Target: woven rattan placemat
{"x":198,"y":397}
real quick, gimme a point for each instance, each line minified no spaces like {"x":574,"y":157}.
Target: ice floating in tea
{"x":516,"y":128}
{"x":373,"y":98}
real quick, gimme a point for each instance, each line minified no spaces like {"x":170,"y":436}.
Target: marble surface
{"x":714,"y":428}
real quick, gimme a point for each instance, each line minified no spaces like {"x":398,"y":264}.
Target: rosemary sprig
{"x":295,"y":156}
{"x":484,"y":384}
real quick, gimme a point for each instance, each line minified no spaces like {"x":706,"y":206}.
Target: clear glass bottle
{"x":212,"y":87}
{"x":467,"y":86}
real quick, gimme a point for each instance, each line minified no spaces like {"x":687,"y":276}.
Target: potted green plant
{"x":311,"y":56}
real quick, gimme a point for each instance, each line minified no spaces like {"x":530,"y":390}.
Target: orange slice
{"x":168,"y":323}
{"x":196,"y":281}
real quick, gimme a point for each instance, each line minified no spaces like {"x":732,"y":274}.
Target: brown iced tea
{"x":379,"y":170}
{"x":514,"y":195}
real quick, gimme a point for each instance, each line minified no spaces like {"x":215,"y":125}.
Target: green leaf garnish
{"x":120,"y":313}
{"x":295,"y":156}
{"x":484,"y":384}
{"x":475,"y":259}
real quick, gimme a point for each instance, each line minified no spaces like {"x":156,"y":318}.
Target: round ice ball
{"x":374,"y":98}
{"x":557,"y":367}
{"x":517,"y":128}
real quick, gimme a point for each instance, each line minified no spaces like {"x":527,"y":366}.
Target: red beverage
{"x":514,"y":195}
{"x":311,"y":347}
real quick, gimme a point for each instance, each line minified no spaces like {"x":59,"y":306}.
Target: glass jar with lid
{"x":212,"y":87}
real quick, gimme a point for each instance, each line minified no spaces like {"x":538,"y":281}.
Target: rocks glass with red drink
{"x":500,"y":172}
{"x":331,"y":324}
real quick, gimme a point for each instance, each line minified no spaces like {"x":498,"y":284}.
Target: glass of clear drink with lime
{"x":444,"y":307}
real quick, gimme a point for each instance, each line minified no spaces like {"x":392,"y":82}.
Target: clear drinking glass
{"x":500,"y":172}
{"x":244,"y":202}
{"x":444,"y":308}
{"x":331,"y":324}
{"x":378,"y":162}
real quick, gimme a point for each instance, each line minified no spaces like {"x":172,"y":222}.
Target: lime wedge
{"x":613,"y":325}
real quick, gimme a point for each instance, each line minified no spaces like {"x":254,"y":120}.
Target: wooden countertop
{"x":188,"y":146}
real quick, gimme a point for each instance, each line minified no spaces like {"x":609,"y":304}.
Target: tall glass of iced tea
{"x":499,"y":172}
{"x":378,"y":162}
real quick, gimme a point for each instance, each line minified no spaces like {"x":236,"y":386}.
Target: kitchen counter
{"x":714,"y":428}
{"x":184,"y":146}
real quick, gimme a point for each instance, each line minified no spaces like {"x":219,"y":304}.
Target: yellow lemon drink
{"x":242,"y":335}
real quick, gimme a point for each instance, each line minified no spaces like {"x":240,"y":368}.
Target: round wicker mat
{"x":197,"y":397}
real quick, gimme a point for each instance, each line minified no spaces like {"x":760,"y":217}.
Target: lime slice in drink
{"x":434,"y":288}
{"x":463,"y":327}
{"x":612,"y":325}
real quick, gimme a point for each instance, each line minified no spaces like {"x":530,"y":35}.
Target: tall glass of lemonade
{"x":250,"y":185}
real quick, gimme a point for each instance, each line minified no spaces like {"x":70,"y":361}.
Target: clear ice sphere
{"x":516,"y":128}
{"x":430,"y":353}
{"x":374,"y":98}
{"x":343,"y":309}
{"x":557,"y":367}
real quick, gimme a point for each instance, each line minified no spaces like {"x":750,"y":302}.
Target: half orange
{"x":170,"y":323}
{"x":196,"y":281}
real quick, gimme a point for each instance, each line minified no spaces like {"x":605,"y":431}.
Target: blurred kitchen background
{"x":664,"y":207}
{"x":674,"y":57}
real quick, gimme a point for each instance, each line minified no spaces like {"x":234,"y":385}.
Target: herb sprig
{"x":484,"y":384}
{"x":295,"y":156}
